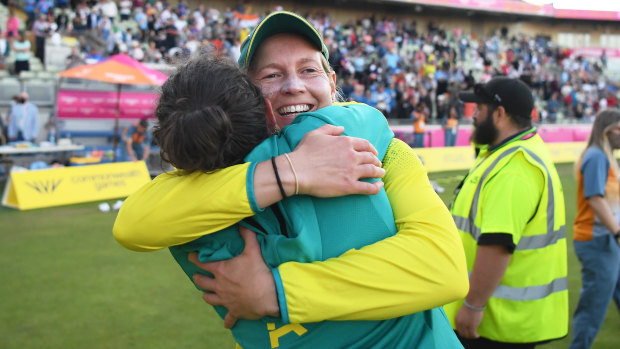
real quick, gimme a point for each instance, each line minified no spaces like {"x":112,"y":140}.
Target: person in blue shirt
{"x":24,"y":120}
{"x":137,"y":142}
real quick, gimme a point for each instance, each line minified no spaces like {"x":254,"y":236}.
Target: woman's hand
{"x":243,"y":284}
{"x":329,"y":165}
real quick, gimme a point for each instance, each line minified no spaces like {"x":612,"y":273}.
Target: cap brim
{"x":278,"y":23}
{"x":470,"y":97}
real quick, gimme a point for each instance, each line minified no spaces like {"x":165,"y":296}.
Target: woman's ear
{"x":332,"y":83}
{"x":270,"y":116}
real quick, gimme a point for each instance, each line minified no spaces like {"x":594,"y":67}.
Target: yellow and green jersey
{"x":306,"y":229}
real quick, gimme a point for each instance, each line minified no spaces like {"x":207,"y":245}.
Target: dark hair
{"x":210,"y":115}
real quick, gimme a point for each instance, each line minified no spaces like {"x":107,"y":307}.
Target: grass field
{"x":67,"y":284}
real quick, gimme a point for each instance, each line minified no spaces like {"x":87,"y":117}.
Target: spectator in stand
{"x":404,"y":107}
{"x":450,"y":125}
{"x":62,"y":20}
{"x":41,"y":29}
{"x":142,"y":19}
{"x":44,"y":6}
{"x":74,"y":59}
{"x":21,"y":47}
{"x":12,"y":25}
{"x":126,"y":9}
{"x":137,"y":52}
{"x":108,"y":9}
{"x":553,"y":107}
{"x":153,"y":55}
{"x":94,"y":56}
{"x":419,"y":117}
{"x":29,"y":8}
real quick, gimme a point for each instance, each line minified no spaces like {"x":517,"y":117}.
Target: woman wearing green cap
{"x":419,"y":268}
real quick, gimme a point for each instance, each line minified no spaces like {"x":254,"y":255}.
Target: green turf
{"x":67,"y":284}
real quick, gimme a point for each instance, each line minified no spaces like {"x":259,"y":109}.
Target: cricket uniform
{"x":306,"y":229}
{"x":417,"y":269}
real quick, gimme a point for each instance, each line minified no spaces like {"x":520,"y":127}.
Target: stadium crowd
{"x":396,"y":65}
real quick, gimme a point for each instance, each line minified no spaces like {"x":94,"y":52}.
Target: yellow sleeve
{"x":177,"y":208}
{"x":419,"y":268}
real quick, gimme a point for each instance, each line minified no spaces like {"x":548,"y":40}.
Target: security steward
{"x":509,"y":210}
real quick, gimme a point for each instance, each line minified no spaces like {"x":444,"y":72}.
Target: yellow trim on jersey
{"x":174,"y":208}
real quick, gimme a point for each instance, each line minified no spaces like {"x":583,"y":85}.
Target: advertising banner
{"x":462,"y":158}
{"x":70,"y":185}
{"x":102,"y":104}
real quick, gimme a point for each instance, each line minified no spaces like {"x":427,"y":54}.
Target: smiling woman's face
{"x":290,"y":73}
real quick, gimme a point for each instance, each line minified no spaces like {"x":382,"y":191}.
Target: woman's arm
{"x":421,"y":267}
{"x":601,"y":209}
{"x":174,"y":209}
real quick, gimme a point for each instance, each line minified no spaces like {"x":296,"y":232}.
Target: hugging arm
{"x":176,"y":208}
{"x":420,"y":268}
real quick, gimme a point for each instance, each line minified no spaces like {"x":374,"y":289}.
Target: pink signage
{"x":102,"y":105}
{"x":434,"y":135}
{"x":583,"y":14}
{"x":593,"y":52}
{"x":513,"y":6}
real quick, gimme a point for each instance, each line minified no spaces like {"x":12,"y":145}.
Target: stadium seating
{"x":41,"y":92}
{"x":9,"y":87}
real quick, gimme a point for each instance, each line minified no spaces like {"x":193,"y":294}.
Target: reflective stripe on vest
{"x":526,"y":242}
{"x":529,"y":293}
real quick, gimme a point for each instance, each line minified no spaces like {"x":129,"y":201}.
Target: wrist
{"x":473,"y":307}
{"x":286,"y":175}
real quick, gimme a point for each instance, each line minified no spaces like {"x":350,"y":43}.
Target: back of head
{"x":604,"y":120}
{"x":210,"y":116}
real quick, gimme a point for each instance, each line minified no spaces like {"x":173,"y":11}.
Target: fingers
{"x":211,"y":299}
{"x":365,"y":188}
{"x":361,"y":145}
{"x":193,"y":257}
{"x":372,"y":162}
{"x":250,"y":240}
{"x":204,"y":282}
{"x":229,"y":321}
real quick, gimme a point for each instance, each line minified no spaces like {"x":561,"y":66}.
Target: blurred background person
{"x":451,"y":127}
{"x":596,"y":233}
{"x":21,"y":47}
{"x":137,"y":142}
{"x":24,"y":120}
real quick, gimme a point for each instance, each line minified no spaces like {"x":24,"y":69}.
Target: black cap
{"x":512,"y":94}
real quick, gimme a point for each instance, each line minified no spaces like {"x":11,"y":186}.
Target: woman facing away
{"x":420,"y":267}
{"x":206,"y":124}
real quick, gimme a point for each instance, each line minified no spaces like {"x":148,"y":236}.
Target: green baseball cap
{"x":277,"y":23}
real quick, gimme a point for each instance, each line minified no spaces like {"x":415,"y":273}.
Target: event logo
{"x":45,"y":187}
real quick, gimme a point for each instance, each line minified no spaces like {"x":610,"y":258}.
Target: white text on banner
{"x":69,"y":185}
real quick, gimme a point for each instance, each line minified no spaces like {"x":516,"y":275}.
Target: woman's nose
{"x":293,"y":84}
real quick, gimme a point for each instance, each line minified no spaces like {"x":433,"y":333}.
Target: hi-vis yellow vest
{"x":531,"y":302}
